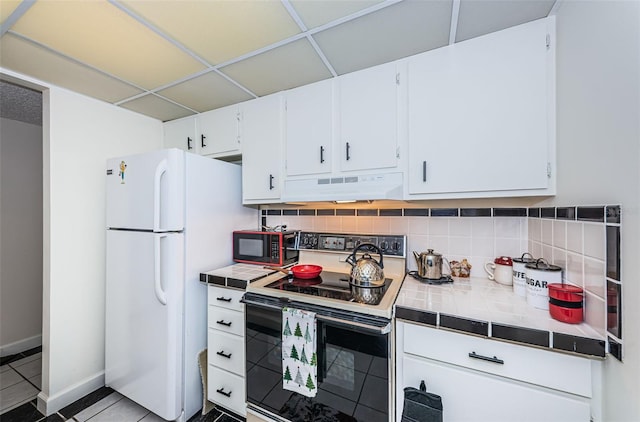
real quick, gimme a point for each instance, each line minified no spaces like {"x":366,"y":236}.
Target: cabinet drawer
{"x":226,"y":320}
{"x":226,"y":351}
{"x":473,"y":396}
{"x":227,"y":390}
{"x":226,"y":298}
{"x":550,"y":369}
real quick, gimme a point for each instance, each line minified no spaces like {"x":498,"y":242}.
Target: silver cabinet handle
{"x":487,"y":358}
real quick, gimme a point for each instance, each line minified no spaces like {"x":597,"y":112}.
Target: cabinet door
{"x":181,"y":134}
{"x":309,"y":112}
{"x":219,"y":131}
{"x":262,"y":148}
{"x":473,"y":396}
{"x":368,"y":118}
{"x":478,"y":113}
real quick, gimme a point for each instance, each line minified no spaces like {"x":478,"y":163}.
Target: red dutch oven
{"x":566,"y":303}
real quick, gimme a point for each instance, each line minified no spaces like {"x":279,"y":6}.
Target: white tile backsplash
{"x":560,"y":234}
{"x":594,"y":277}
{"x":574,"y":236}
{"x":418,"y":225}
{"x":576,"y":246}
{"x":547,"y":232}
{"x":594,"y":240}
{"x":438,"y":226}
{"x":573,"y":270}
{"x":481,"y":227}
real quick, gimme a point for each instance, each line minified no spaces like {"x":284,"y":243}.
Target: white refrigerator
{"x":170,"y":216}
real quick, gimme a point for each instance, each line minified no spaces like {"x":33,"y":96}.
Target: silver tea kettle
{"x":430,"y":264}
{"x":366,"y":271}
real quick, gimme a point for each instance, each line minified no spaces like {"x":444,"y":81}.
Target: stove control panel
{"x":392,"y":245}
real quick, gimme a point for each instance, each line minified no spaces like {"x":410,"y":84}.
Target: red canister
{"x":566,"y":303}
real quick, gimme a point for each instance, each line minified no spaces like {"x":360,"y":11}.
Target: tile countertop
{"x":478,"y":305}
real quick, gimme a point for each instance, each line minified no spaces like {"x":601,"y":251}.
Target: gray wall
{"x":598,"y":136}
{"x":20,"y":236}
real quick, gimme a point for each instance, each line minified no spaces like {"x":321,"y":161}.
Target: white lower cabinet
{"x":225,"y":349}
{"x":480,"y":379}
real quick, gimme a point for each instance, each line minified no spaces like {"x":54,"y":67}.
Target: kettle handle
{"x":352,"y":258}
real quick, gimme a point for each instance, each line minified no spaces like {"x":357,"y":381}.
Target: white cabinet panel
{"x":570,"y":373}
{"x":309,"y":128}
{"x":226,"y":298}
{"x":226,"y":320}
{"x":262,"y":149}
{"x":368,"y":110}
{"x":226,"y":351}
{"x":181,"y":134}
{"x":227,"y":390}
{"x":479,"y":113}
{"x":471,"y":396}
{"x":219,"y":131}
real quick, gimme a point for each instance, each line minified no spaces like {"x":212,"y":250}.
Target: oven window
{"x":353,"y":373}
{"x":250,"y":247}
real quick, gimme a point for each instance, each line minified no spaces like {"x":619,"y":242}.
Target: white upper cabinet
{"x":262,"y":123}
{"x":481,"y":115}
{"x":219,"y":132}
{"x":181,"y":133}
{"x":309,"y":128}
{"x":368,"y":116}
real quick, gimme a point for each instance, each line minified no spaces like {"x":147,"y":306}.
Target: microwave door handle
{"x":160,"y":170}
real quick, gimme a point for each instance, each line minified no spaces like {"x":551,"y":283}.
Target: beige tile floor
{"x":20,"y":381}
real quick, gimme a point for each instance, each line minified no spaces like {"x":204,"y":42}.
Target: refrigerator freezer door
{"x":144,"y":325}
{"x":146,"y":191}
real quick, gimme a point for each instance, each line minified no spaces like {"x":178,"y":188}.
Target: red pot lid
{"x":503,"y":260}
{"x":565,"y":288}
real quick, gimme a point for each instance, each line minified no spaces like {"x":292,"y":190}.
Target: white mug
{"x":500,"y":270}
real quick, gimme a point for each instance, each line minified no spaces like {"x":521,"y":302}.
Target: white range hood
{"x":344,"y":188}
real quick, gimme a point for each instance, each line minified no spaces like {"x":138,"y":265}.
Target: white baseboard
{"x":48,"y":405}
{"x":21,"y":345}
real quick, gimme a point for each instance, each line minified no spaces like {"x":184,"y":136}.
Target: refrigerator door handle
{"x":160,"y":170}
{"x":157,"y":282}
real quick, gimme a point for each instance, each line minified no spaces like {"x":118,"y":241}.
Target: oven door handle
{"x":358,"y":326}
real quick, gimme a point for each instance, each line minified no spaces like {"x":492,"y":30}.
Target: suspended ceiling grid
{"x":170,"y":59}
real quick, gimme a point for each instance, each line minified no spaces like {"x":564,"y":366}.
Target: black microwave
{"x":266,"y":248}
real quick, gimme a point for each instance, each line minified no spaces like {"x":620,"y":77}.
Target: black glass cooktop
{"x":328,"y":284}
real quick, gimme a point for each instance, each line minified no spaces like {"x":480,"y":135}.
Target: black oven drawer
{"x":353,"y":364}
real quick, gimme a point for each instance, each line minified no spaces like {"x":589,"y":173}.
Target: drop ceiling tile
{"x":7,"y":7}
{"x":154,"y":106}
{"x":480,"y":17}
{"x":98,"y":33}
{"x":30,"y":59}
{"x":285,"y":67}
{"x":397,"y":31}
{"x":206,"y":92}
{"x":319,"y":12}
{"x":219,"y":30}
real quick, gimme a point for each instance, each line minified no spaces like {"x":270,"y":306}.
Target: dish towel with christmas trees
{"x":299,"y":358}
